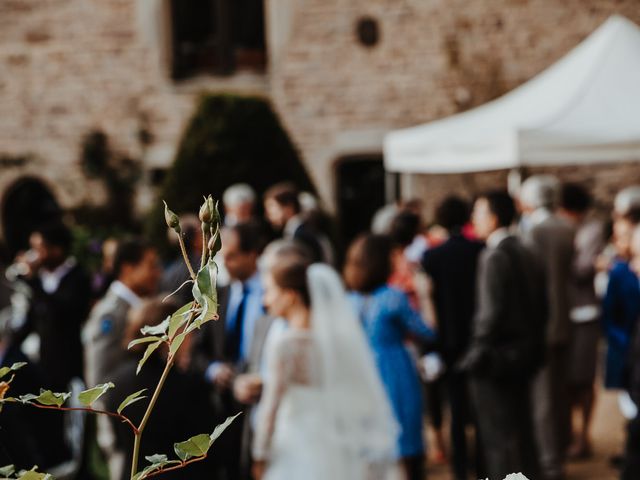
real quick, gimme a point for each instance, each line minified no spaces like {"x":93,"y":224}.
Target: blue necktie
{"x":235,"y":335}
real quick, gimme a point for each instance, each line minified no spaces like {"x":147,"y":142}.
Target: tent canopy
{"x":585,"y":108}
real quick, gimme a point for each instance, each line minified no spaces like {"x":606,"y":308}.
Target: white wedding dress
{"x":324,"y":414}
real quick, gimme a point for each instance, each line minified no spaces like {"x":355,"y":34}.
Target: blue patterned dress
{"x":389,"y":319}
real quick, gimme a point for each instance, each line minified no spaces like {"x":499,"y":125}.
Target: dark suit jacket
{"x":209,"y":345}
{"x":57,"y":318}
{"x":452,"y":268}
{"x":509,"y":324}
{"x":553,"y":241}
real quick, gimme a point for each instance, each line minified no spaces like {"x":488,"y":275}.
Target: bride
{"x":324,"y":413}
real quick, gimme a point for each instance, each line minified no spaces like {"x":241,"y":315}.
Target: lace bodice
{"x":292,"y":362}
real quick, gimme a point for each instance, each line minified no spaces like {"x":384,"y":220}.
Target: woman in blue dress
{"x":389,"y":320}
{"x":621,"y":305}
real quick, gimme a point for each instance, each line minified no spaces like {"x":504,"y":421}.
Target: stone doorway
{"x":26,"y":204}
{"x":360,"y":182}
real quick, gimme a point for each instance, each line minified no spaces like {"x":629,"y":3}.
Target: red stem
{"x":176,"y":467}
{"x":90,"y":410}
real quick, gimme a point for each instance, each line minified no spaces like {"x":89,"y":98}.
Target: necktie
{"x":235,"y":337}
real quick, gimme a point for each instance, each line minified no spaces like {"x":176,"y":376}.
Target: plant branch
{"x":147,"y":414}
{"x":185,"y":256}
{"x":90,"y":410}
{"x":175,"y":467}
{"x":203,"y":259}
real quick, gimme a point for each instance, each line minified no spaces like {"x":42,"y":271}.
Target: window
{"x":217,"y":36}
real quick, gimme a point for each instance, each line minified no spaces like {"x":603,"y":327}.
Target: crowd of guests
{"x":493,"y":314}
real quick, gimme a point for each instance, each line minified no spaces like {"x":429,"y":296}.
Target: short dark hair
{"x":251,"y":236}
{"x":575,"y":198}
{"x":368,"y":263}
{"x":129,"y":252}
{"x":501,"y":205}
{"x":286,"y":194}
{"x":404,"y":228}
{"x":453,"y":213}
{"x":56,"y":233}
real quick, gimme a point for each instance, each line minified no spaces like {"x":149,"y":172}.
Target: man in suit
{"x":284,"y":213}
{"x":507,"y":341}
{"x":137,"y":272}
{"x":61,"y":292}
{"x":451,"y":268}
{"x":552,"y":239}
{"x":60,"y":296}
{"x":222,"y":349}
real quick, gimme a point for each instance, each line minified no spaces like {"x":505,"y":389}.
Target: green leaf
{"x":7,"y":470}
{"x":140,"y":340}
{"x":206,"y":282}
{"x":194,"y":447}
{"x":157,"y":461}
{"x":175,"y":345}
{"x":29,"y":397}
{"x":157,"y":458}
{"x":179,"y":318}
{"x":147,"y":353}
{"x":208,"y":312}
{"x":160,"y":329}
{"x":221,"y":428}
{"x":215,"y":243}
{"x":47,"y":397}
{"x":133,"y":398}
{"x":87,"y":397}
{"x":12,"y":368}
{"x":34,"y":475}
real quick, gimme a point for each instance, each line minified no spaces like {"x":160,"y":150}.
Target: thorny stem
{"x":176,"y":467}
{"x":186,"y":257}
{"x":90,"y":410}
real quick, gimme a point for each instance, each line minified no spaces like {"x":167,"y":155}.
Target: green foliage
{"x":87,"y":397}
{"x":229,"y":139}
{"x":12,"y":368}
{"x":171,"y":332}
{"x":46,"y":397}
{"x":133,"y":398}
{"x":9,"y":471}
{"x":147,"y":353}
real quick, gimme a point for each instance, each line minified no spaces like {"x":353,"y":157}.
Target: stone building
{"x":339,"y":73}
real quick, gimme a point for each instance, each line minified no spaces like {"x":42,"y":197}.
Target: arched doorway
{"x":26,"y":204}
{"x":362,"y":185}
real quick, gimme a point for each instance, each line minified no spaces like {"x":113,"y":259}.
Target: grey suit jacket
{"x":510,"y":317}
{"x":103,"y":336}
{"x":553,"y":241}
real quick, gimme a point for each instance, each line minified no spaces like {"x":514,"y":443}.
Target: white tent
{"x":585,"y":108}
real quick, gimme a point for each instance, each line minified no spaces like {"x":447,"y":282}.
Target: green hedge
{"x":230,"y":139}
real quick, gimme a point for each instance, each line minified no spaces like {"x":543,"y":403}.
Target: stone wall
{"x":434,"y":58}
{"x":68,"y":67}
